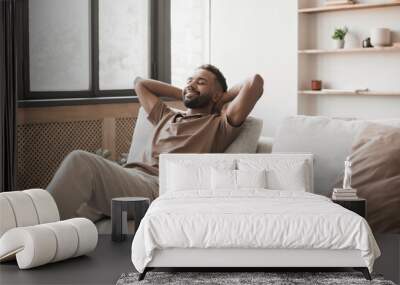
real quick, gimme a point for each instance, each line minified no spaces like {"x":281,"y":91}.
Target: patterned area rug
{"x":269,"y":278}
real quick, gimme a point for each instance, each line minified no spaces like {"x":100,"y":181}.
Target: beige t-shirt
{"x":176,"y":132}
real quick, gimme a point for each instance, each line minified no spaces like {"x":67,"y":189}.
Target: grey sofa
{"x":329,"y":139}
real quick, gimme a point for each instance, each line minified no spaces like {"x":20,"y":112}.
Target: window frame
{"x":160,"y":62}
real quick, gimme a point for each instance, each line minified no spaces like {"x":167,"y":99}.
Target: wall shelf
{"x":348,"y":7}
{"x":338,"y":92}
{"x":350,"y":50}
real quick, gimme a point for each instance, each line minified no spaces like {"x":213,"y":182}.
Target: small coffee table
{"x":120,"y":209}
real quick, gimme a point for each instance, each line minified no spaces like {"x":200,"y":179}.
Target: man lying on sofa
{"x":85,"y":183}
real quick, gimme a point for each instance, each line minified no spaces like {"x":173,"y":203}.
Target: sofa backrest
{"x":246,"y":142}
{"x":329,"y":139}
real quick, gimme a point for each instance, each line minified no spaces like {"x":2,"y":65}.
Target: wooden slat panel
{"x":41,"y":147}
{"x":108,"y":137}
{"x":76,"y":113}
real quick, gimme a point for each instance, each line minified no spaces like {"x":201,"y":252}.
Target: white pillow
{"x":183,"y":177}
{"x":231,"y":180}
{"x":223,"y":179}
{"x":251,"y":179}
{"x":282,"y":174}
{"x":186,"y":175}
{"x":288,"y":177}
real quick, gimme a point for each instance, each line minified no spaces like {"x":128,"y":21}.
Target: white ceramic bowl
{"x":381,"y":37}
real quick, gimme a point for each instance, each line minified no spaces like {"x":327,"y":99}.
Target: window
{"x":90,"y":48}
{"x":95,"y":48}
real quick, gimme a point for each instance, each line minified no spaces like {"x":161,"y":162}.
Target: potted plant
{"x":339,"y":36}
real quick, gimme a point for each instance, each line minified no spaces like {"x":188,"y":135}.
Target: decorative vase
{"x":316,"y":85}
{"x":339,"y":44}
{"x":380,"y":37}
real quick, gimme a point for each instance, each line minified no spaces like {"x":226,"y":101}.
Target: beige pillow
{"x":376,"y":175}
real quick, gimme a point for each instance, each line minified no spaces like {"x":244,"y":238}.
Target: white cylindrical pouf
{"x":40,"y":244}
{"x":32,"y":246}
{"x":45,"y":205}
{"x":87,"y":233}
{"x":23,"y":208}
{"x":7,"y":218}
{"x":67,"y":240}
{"x":26,"y":208}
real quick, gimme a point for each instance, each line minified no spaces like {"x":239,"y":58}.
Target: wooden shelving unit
{"x":306,"y":79}
{"x":362,"y":93}
{"x":348,"y":7}
{"x":350,"y":50}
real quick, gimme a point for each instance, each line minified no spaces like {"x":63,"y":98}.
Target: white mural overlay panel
{"x":124,"y":42}
{"x":190,"y":23}
{"x":59,"y":45}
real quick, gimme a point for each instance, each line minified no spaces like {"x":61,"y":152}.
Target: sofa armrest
{"x":265,"y":144}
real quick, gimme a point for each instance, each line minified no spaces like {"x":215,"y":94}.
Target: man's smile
{"x":191,"y":94}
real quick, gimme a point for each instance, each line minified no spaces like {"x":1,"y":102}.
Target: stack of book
{"x":339,"y":2}
{"x":344,"y":194}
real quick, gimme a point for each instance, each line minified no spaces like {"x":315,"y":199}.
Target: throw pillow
{"x":376,"y":175}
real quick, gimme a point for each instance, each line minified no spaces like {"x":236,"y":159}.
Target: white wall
{"x":258,"y":36}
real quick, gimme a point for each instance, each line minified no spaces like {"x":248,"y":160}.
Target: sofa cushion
{"x":141,"y":138}
{"x":376,"y":175}
{"x":246,"y":142}
{"x":329,"y":139}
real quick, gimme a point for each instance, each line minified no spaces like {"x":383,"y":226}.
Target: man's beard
{"x":199,"y":101}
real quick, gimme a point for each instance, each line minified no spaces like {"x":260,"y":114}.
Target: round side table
{"x":120,"y":208}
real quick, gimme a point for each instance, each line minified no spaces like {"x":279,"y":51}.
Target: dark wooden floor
{"x":389,"y":263}
{"x":110,"y":260}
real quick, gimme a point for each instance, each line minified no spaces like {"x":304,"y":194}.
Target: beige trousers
{"x":85,"y":183}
